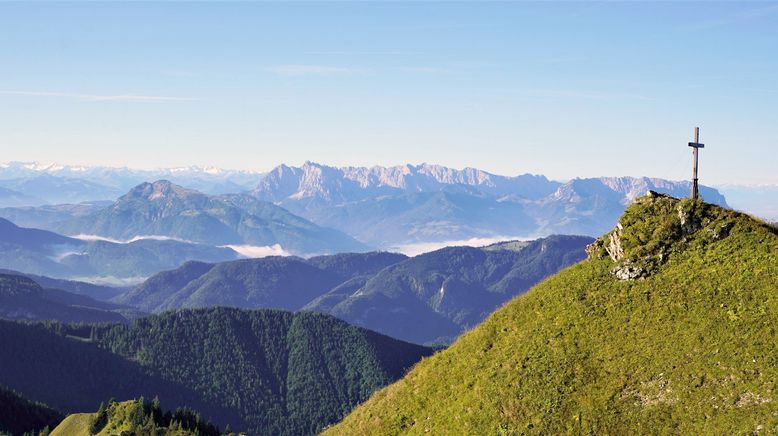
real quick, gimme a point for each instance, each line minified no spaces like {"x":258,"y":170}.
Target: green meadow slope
{"x":136,"y":417}
{"x":668,"y":328}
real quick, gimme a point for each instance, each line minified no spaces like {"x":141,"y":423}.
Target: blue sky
{"x":562,"y":89}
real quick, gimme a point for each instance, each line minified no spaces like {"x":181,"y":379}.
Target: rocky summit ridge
{"x":656,"y":226}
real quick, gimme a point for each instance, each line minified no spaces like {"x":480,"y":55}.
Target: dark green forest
{"x":265,"y":371}
{"x":20,"y":416}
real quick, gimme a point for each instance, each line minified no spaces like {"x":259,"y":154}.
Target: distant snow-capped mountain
{"x":315,"y":181}
{"x":390,"y":206}
{"x":383,"y":207}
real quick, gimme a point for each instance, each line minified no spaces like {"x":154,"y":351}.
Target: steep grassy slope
{"x":687,"y":346}
{"x":76,"y":424}
{"x":19,"y":415}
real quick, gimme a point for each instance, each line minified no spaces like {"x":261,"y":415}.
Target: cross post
{"x":697,"y":146}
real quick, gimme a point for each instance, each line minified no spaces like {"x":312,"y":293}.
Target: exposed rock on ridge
{"x":656,"y":226}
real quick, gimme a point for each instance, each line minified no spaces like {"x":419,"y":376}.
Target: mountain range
{"x":91,"y":290}
{"x":666,"y":328}
{"x":107,"y":183}
{"x":398,"y":208}
{"x":409,"y":204}
{"x":430,"y":298}
{"x":263,"y":371}
{"x":759,"y":200}
{"x":271,"y":282}
{"x":171,"y":211}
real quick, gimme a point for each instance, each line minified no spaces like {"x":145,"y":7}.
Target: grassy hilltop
{"x":136,"y":418}
{"x":668,"y":327}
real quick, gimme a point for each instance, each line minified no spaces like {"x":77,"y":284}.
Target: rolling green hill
{"x":668,"y":328}
{"x":19,"y":415}
{"x":264,"y":371}
{"x":136,"y":417}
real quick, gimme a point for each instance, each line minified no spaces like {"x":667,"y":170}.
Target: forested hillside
{"x":272,"y":282}
{"x":266,"y":371}
{"x":19,"y":415}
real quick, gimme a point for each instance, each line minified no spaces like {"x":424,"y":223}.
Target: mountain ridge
{"x":22,"y":298}
{"x":401,"y":205}
{"x":445,"y":291}
{"x":163,"y":208}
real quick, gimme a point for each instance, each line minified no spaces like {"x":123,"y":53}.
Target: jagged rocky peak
{"x":654,"y":227}
{"x":350,"y":183}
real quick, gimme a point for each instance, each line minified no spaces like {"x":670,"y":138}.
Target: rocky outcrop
{"x":653,"y":228}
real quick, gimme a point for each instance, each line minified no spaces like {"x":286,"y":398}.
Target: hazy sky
{"x":562,"y":89}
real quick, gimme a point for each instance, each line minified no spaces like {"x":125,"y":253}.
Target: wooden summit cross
{"x":697,"y":146}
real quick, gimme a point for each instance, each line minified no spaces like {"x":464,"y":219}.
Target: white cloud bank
{"x":425,"y":247}
{"x":255,"y":251}
{"x":85,"y":237}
